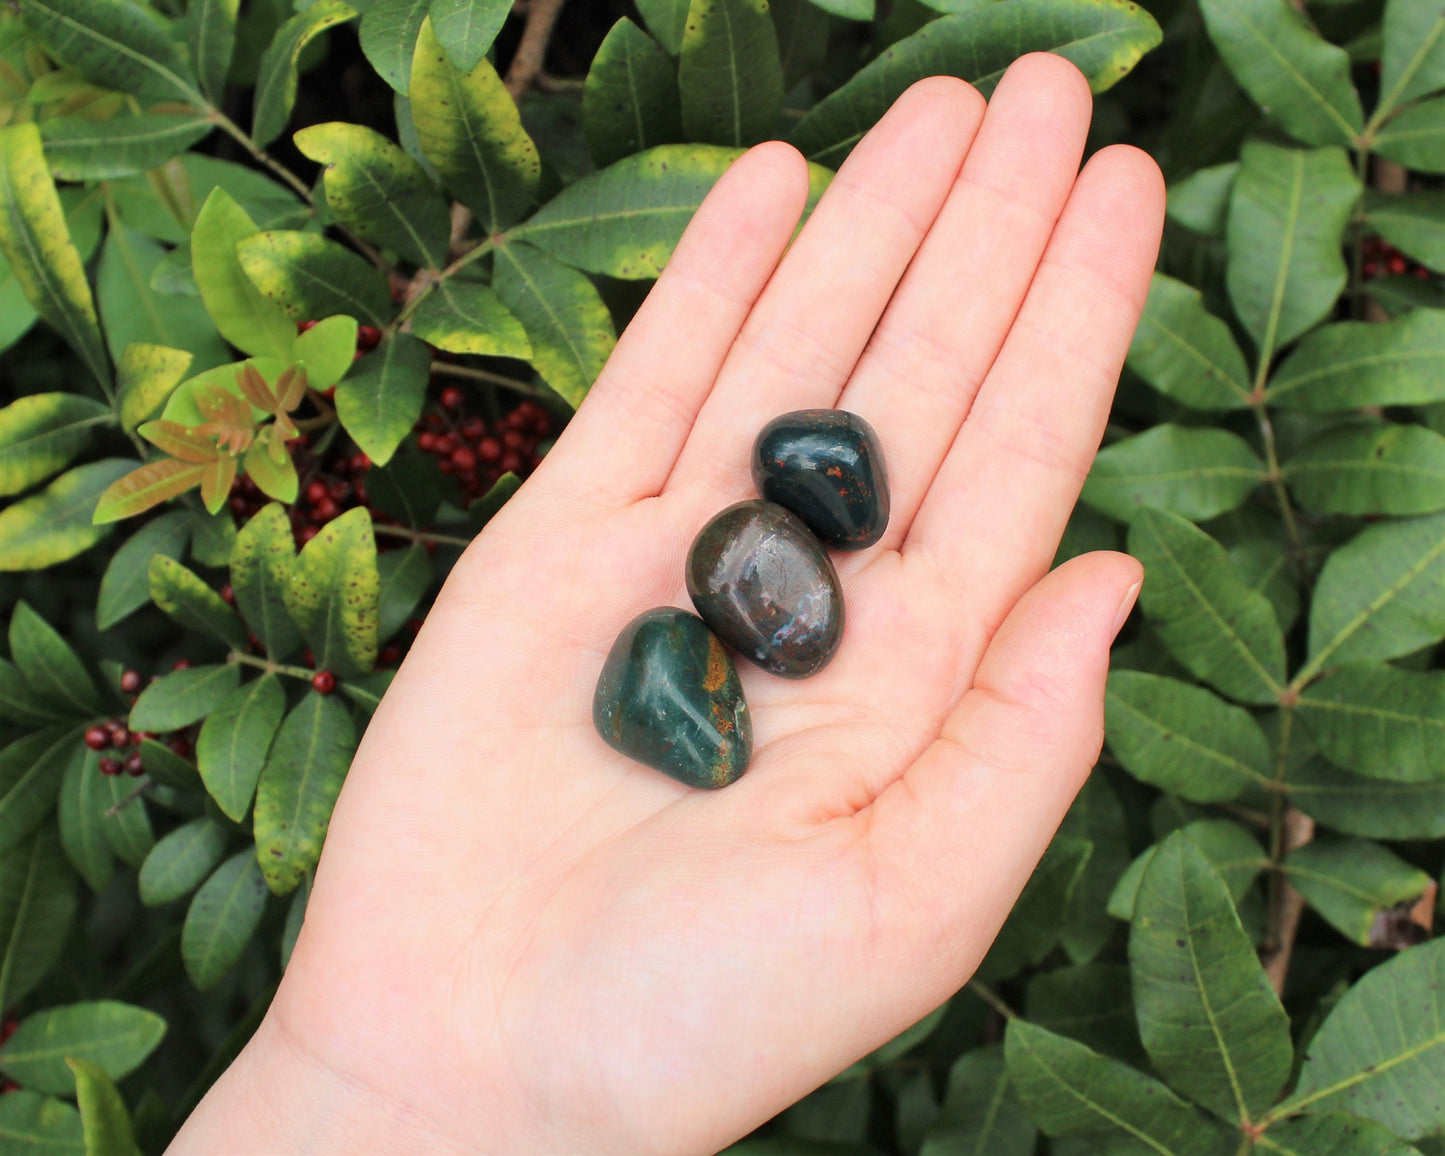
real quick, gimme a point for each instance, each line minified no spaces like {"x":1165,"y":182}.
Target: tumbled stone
{"x":762,"y":581}
{"x":669,"y":697}
{"x":825,"y":465}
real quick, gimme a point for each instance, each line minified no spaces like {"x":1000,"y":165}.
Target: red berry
{"x":489,"y":449}
{"x":338,"y":490}
{"x":120,"y":737}
{"x":463,"y":458}
{"x":307,"y":533}
{"x":237,"y":503}
{"x":445,"y":465}
{"x":228,"y":594}
{"x":518,"y":419}
{"x":426,"y":442}
{"x":435,"y":422}
{"x":468,"y":478}
{"x":1396,"y":265}
{"x":180,"y":746}
{"x":1422,"y":273}
{"x":181,"y":664}
{"x":134,"y":766}
{"x":323,"y":682}
{"x":97,"y":738}
{"x":360,"y":463}
{"x":473,"y":428}
{"x":307,"y":657}
{"x":512,"y":462}
{"x":130,"y":681}
{"x":367,"y":337}
{"x":303,"y":326}
{"x":315,"y":492}
{"x":452,"y":398}
{"x":447,"y":442}
{"x":513,"y":439}
{"x":388,"y":655}
{"x":326,"y":509}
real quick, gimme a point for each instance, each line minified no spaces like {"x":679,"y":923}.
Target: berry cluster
{"x":476,"y":453}
{"x":113,"y":735}
{"x":1381,"y":259}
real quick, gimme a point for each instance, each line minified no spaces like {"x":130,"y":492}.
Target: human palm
{"x":522,"y":942}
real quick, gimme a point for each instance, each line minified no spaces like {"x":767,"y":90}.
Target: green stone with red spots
{"x":764,"y":583}
{"x":825,"y":465}
{"x":669,"y":697}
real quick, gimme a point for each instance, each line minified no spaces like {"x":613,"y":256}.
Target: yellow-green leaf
{"x":42,"y":433}
{"x":103,"y":1114}
{"x":243,"y":315}
{"x":147,"y":376}
{"x":188,"y":600}
{"x":57,"y":523}
{"x":307,"y":277}
{"x":730,"y":78}
{"x":381,"y":399}
{"x":261,"y":563}
{"x":276,"y":79}
{"x":333,"y":594}
{"x":464,"y":317}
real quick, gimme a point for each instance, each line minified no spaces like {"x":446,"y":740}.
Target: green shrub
{"x":236,"y":359}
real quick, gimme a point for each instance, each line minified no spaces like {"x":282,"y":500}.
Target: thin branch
{"x":422,"y":536}
{"x":117,"y":808}
{"x":1298,"y":829}
{"x":532,"y":49}
{"x":992,"y":998}
{"x":526,"y":388}
{"x":270,"y":667}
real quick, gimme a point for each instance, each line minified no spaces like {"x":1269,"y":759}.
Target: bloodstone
{"x":827,"y":467}
{"x":669,"y":697}
{"x":762,"y":581}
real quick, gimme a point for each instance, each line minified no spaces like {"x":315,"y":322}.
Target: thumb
{"x":955,"y":840}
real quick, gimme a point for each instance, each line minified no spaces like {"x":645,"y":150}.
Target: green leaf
{"x":126,"y":823}
{"x":803,"y":31}
{"x":36,"y":243}
{"x":1211,"y":1023}
{"x":373,"y":186}
{"x":298,"y":788}
{"x":31,"y":771}
{"x":182,"y":697}
{"x":213,"y":536}
{"x":1200,"y":201}
{"x":1297,"y":77}
{"x":381,"y":399}
{"x":1184,"y":351}
{"x":1287,"y":217}
{"x":295,"y":916}
{"x":261,"y":563}
{"x":1378,"y":595}
{"x":51,"y":668}
{"x":406,"y":575}
{"x":1334,"y":1134}
{"x":566,"y":320}
{"x":980,"y":1112}
{"x":729,"y":75}
{"x":114,"y":1036}
{"x":1381,"y":1051}
{"x":1354,"y":884}
{"x":1183,"y":738}
{"x":1196,"y":473}
{"x":1379,"y":721}
{"x":367,"y":690}
{"x":146,"y":377}
{"x":463,"y":317}
{"x":243,"y":315}
{"x":666,"y":20}
{"x":1412,"y":222}
{"x":178,"y":863}
{"x":42,"y":433}
{"x":134,"y":312}
{"x":276,"y":80}
{"x":1413,"y":60}
{"x":81,"y":149}
{"x":83,"y":799}
{"x":308,"y":277}
{"x":1036,"y":923}
{"x":630,"y":100}
{"x":1092,"y":1003}
{"x":222,"y":918}
{"x":626,"y":221}
{"x":466,"y":28}
{"x":167,"y":768}
{"x":1415,"y":137}
{"x":116,"y":44}
{"x":41,"y":1125}
{"x":234,"y":739}
{"x":1221,"y":630}
{"x":389,"y":30}
{"x":209,"y":27}
{"x":333,"y":591}
{"x":193,"y":604}
{"x":469,"y":128}
{"x":327,"y":350}
{"x":1371,"y":468}
{"x":1374,"y":808}
{"x":103,"y":1114}
{"x":1104,"y":38}
{"x":1358,"y":363}
{"x":37,"y":905}
{"x":18,"y":703}
{"x":57,"y":523}
{"x":1068,"y":1089}
{"x":125,"y":587}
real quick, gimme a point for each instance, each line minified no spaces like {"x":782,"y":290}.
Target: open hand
{"x":521,"y":942}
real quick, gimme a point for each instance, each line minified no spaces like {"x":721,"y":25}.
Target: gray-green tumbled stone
{"x":669,"y":697}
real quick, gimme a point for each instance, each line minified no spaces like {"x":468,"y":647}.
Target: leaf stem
{"x":270,"y":667}
{"x":992,"y":998}
{"x":1276,"y":476}
{"x":422,"y":536}
{"x":526,"y":388}
{"x":116,"y":808}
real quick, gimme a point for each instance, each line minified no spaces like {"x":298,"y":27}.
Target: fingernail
{"x":1127,"y":605}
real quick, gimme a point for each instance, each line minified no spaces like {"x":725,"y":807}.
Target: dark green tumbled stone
{"x":827,"y":467}
{"x":762,"y":581}
{"x":669,"y":697}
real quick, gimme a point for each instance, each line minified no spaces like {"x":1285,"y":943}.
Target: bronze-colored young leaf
{"x":152,"y":484}
{"x":179,"y":441}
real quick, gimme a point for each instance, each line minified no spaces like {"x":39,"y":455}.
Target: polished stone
{"x":762,"y":581}
{"x":827,"y":467}
{"x":669,"y":697}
